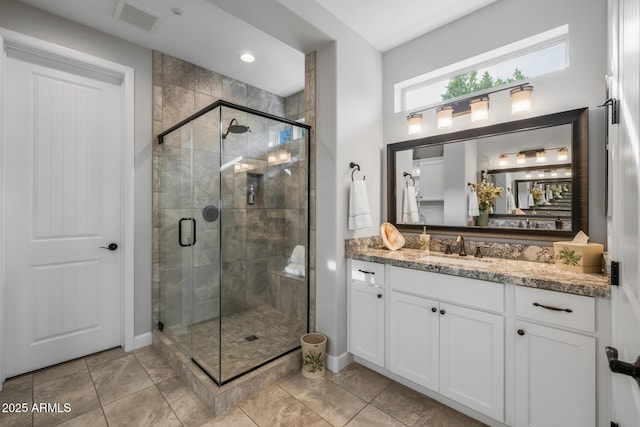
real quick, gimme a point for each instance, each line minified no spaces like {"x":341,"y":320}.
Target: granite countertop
{"x":521,"y":273}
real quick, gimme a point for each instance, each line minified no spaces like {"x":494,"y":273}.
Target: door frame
{"x":50,"y":51}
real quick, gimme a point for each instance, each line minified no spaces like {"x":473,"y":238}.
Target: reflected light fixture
{"x":541,"y":156}
{"x":444,"y":117}
{"x":479,"y":108}
{"x":414,"y":120}
{"x":554,"y":173}
{"x":563,"y":154}
{"x":521,"y":158}
{"x":503,"y":160}
{"x":567,"y":172}
{"x":521,"y":99}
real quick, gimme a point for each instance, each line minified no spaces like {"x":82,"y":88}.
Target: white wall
{"x":33,"y":22}
{"x":501,"y":23}
{"x":349,"y":128}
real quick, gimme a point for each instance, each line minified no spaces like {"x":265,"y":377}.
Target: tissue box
{"x":578,"y":257}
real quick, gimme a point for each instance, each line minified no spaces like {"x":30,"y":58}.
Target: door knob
{"x":111,"y":247}
{"x":620,"y":367}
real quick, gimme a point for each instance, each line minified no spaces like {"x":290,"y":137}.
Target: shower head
{"x":235,"y":127}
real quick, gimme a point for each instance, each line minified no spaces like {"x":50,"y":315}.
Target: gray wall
{"x":24,"y":19}
{"x":504,"y":22}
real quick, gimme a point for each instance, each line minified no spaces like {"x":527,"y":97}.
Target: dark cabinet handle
{"x":193,"y":232}
{"x":379,"y":296}
{"x":111,"y":247}
{"x":366,"y":272}
{"x":520,"y":332}
{"x":442,"y":311}
{"x":624,"y":368}
{"x":548,"y":307}
{"x":434,"y":309}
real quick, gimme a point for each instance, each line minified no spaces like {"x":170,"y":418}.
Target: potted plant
{"x":487,"y":193}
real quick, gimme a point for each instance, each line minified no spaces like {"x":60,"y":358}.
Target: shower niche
{"x":238,"y":296}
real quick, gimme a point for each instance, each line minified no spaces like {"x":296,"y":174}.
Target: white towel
{"x":359,"y":213}
{"x":511,"y":203}
{"x":297,"y":255}
{"x":410,"y":206}
{"x":473,"y":204}
{"x":295,"y":269}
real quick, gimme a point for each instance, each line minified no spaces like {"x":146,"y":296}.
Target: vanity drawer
{"x":551,"y":307}
{"x":458,"y":290}
{"x":367,"y":272}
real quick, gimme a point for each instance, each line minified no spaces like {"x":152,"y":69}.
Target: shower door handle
{"x":193,"y":232}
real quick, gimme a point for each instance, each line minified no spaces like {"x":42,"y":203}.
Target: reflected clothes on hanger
{"x":410,"y":205}
{"x":473,"y":202}
{"x":511,"y":203}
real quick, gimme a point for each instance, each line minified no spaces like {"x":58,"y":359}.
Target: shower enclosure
{"x":233,"y":242}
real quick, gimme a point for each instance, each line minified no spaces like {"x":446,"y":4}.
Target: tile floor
{"x":115,"y":388}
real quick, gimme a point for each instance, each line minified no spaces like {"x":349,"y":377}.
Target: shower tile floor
{"x":276,"y":334}
{"x":139,"y":389}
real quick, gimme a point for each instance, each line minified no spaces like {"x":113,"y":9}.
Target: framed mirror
{"x":526,"y":179}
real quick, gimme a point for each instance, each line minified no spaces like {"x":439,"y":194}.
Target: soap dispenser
{"x":425,"y":239}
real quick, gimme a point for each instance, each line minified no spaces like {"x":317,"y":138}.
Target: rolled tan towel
{"x":391,"y":237}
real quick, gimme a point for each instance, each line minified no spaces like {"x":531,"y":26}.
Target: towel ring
{"x":355,"y":167}
{"x":407,"y":174}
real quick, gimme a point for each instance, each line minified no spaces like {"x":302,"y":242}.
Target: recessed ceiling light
{"x":247,"y":57}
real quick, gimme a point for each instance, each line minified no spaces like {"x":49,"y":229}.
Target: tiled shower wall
{"x":252,"y":269}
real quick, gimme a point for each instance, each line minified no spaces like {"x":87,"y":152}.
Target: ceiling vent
{"x":138,"y":15}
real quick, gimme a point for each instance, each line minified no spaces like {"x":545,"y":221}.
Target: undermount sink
{"x":468,"y":261}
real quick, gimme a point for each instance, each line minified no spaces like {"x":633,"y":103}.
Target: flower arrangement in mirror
{"x":538,"y":195}
{"x":487,"y":193}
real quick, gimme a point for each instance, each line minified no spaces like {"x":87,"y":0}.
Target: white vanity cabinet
{"x":444,"y":336}
{"x":555,"y":367}
{"x":366,"y":338}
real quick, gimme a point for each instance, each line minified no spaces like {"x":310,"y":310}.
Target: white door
{"x":414,"y":339}
{"x":63,"y":202}
{"x":553,"y":388}
{"x":366,"y":322}
{"x":472,"y":359}
{"x":624,"y":21}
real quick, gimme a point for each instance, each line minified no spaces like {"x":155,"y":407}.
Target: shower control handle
{"x":193,"y":232}
{"x":111,"y":247}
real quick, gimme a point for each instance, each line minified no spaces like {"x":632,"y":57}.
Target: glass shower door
{"x":177,"y":235}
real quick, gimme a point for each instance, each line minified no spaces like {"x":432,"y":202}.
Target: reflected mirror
{"x":526,"y":178}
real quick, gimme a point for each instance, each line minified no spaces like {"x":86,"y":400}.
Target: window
{"x":534,"y":56}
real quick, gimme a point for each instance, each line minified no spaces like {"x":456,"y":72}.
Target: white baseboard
{"x":338,"y":363}
{"x":142,"y":340}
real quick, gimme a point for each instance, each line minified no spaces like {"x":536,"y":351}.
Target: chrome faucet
{"x":462,"y":251}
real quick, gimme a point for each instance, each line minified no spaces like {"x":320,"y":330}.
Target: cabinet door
{"x":414,"y":339}
{"x":366,"y":322}
{"x":555,"y":377}
{"x":472,"y":359}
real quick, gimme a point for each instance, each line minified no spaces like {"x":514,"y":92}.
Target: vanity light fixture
{"x":554,"y":173}
{"x":521,"y":158}
{"x":503,"y":160}
{"x":567,"y":172}
{"x":521,"y":99}
{"x":414,"y":121}
{"x":477,"y":104}
{"x":541,"y":174}
{"x":563,"y":154}
{"x":444,"y":117}
{"x":277,"y":157}
{"x":242,"y":167}
{"x":479,"y":108}
{"x":541,"y":156}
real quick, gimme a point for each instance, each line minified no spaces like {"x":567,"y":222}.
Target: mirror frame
{"x":579,"y":121}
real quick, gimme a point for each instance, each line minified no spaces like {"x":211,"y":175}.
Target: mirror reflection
{"x":513,"y":180}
